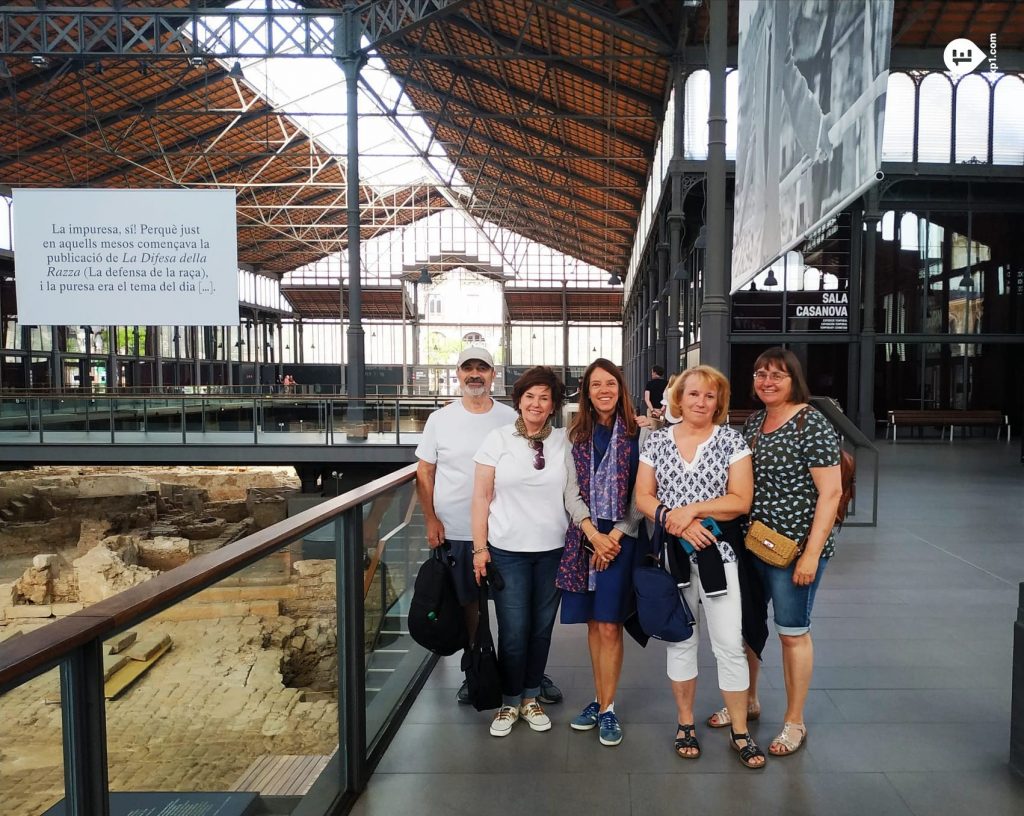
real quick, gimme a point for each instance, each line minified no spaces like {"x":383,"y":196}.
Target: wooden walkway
{"x":281,"y":775}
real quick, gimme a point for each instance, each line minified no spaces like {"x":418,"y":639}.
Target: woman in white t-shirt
{"x":695,"y":470}
{"x":519,"y":523}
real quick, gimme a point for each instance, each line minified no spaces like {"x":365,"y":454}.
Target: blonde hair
{"x":708,"y":374}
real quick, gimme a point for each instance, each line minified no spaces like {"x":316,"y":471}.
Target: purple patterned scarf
{"x":608,"y":494}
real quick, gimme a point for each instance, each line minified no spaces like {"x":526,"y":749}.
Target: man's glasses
{"x":538,"y":451}
{"x":771,"y":376}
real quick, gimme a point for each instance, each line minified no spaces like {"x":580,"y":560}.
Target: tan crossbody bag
{"x":773,"y":548}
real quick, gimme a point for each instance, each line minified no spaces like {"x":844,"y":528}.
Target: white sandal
{"x":792,"y":738}
{"x":721,"y":718}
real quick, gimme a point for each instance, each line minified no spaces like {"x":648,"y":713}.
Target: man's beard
{"x":475,"y":389}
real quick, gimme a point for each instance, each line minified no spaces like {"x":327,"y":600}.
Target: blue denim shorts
{"x":792,"y":604}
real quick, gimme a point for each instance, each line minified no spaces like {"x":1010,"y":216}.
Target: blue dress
{"x":612,"y":601}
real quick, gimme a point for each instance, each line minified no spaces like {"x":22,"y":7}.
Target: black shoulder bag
{"x":480,"y":663}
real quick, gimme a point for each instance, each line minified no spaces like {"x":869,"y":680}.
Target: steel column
{"x":348,"y":541}
{"x":351,"y":61}
{"x":83,"y":718}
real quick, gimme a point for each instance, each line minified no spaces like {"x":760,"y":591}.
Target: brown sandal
{"x":721,"y":718}
{"x":792,"y":738}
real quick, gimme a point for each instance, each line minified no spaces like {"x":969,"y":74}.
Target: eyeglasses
{"x":771,"y":376}
{"x":538,"y":450}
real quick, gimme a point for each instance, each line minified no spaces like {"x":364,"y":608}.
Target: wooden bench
{"x":738,"y":416}
{"x":947,"y":419}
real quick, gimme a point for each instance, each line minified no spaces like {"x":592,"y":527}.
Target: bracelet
{"x":485,"y":548}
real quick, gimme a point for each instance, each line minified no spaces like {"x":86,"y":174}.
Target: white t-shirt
{"x":450,"y":438}
{"x":527,"y":512}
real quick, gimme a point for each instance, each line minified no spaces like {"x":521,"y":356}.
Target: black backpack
{"x":480,"y":663}
{"x":436,"y":619}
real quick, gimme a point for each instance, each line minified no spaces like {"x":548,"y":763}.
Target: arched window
{"x":972,"y":103}
{"x":898,"y":138}
{"x":1008,"y":121}
{"x":732,"y":106}
{"x":935,"y":119}
{"x":695,"y":121}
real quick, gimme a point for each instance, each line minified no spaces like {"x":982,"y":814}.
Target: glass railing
{"x":234,"y":419}
{"x":269,"y":674}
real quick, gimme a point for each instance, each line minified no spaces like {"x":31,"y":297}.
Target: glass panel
{"x":19,"y":419}
{"x":235,"y":688}
{"x":935,"y":119}
{"x":128,"y":414}
{"x":1008,"y":124}
{"x":898,"y":136}
{"x":305,"y":420}
{"x":394,"y":546}
{"x":76,"y":418}
{"x":31,"y":753}
{"x":972,"y":104}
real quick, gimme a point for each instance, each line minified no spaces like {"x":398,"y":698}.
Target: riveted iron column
{"x":866,"y":402}
{"x":714,"y":312}
{"x":664,"y":309}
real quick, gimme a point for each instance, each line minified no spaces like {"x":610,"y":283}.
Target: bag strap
{"x":483,"y":627}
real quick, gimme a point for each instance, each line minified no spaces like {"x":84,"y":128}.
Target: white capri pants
{"x":725,"y":627}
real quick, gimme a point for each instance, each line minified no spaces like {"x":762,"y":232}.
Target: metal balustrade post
{"x":110,"y":412}
{"x":348,"y":540}
{"x":84,"y":723}
{"x":1017,"y":691}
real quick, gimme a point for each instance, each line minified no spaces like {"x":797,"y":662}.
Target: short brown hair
{"x":784,"y":360}
{"x":539,"y":375}
{"x":711,"y":375}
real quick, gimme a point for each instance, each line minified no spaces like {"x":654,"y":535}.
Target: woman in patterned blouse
{"x":796,"y":491}
{"x":700,"y":469}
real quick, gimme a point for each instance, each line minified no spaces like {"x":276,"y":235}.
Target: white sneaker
{"x":535,"y":716}
{"x":503,"y":721}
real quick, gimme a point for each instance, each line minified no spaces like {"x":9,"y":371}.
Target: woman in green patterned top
{"x":796,"y":492}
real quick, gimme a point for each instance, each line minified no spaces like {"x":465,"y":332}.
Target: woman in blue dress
{"x":596,"y":572}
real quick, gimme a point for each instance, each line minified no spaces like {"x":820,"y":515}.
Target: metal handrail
{"x":76,"y":645}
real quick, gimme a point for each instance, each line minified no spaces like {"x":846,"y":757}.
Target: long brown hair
{"x":582,"y":428}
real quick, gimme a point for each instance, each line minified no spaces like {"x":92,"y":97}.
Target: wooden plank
{"x":131,"y":672}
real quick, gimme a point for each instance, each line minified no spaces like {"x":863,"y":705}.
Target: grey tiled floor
{"x":908,"y":713}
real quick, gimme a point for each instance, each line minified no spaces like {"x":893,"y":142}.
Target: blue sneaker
{"x":587,"y":718}
{"x":611,"y":731}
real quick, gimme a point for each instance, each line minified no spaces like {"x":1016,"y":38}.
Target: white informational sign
{"x":812,"y":82}
{"x":126,"y":257}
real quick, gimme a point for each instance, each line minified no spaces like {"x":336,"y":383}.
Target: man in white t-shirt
{"x":444,"y":477}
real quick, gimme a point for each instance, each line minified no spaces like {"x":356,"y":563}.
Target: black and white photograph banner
{"x":812,"y":82}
